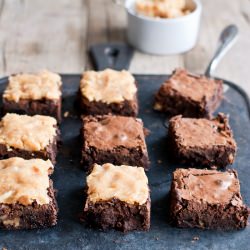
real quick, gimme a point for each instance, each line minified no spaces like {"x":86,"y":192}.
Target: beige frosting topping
{"x":126,"y":183}
{"x":32,"y":133}
{"x":207,"y":185}
{"x":162,"y":8}
{"x":108,"y":86}
{"x":24,"y":181}
{"x":44,"y":84}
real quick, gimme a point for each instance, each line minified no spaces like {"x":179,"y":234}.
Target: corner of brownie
{"x":115,"y":139}
{"x":108,"y":91}
{"x":189,"y":95}
{"x":208,"y":143}
{"x":117,"y":198}
{"x":33,"y":94}
{"x":207,"y":199}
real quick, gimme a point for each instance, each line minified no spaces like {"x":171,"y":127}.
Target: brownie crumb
{"x":196,"y":238}
{"x":66,"y":114}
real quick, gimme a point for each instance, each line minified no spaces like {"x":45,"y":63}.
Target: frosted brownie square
{"x":115,"y":139}
{"x":117,"y":197}
{"x":28,"y":137}
{"x":108,"y":91}
{"x":33,"y":94}
{"x":189,"y":95}
{"x":207,"y":199}
{"x":27,"y":198}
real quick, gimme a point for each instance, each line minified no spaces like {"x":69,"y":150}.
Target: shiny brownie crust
{"x":175,"y":103}
{"x":212,"y":156}
{"x":120,"y":155}
{"x":196,"y":214}
{"x":30,"y":216}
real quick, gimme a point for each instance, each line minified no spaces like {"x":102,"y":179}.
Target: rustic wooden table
{"x":56,"y":35}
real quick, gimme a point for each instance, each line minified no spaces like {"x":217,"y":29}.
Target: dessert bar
{"x":33,"y":94}
{"x":201,"y":141}
{"x":189,"y":95}
{"x":207,"y":199}
{"x":27,"y":198}
{"x":28,"y":137}
{"x":114,"y":139}
{"x":108,"y":91}
{"x":117,"y":197}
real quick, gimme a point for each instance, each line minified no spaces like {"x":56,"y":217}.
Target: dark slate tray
{"x":69,"y":179}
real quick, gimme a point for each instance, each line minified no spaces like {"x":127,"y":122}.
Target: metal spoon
{"x":227,"y":38}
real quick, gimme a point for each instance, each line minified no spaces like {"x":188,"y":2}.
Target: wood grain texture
{"x":42,"y":34}
{"x":57,"y":34}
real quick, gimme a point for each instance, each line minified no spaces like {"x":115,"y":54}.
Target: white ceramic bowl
{"x":163,"y":36}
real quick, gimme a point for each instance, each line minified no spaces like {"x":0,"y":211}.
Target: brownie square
{"x":108,"y":91}
{"x":204,"y":142}
{"x":114,"y":139}
{"x":117,"y":197}
{"x":207,"y":199}
{"x":27,"y":199}
{"x":28,"y":137}
{"x":189,"y":95}
{"x":33,"y":94}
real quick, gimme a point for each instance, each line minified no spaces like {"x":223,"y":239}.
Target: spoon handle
{"x":227,"y":39}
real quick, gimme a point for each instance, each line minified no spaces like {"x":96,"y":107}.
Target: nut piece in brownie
{"x":207,"y":199}
{"x":27,"y":198}
{"x":204,"y":142}
{"x":115,"y":139}
{"x":189,"y":95}
{"x":117,"y":197}
{"x":28,"y":137}
{"x":33,"y":94}
{"x":108,"y":91}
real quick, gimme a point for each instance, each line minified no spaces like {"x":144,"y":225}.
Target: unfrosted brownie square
{"x":33,"y":94}
{"x":117,"y":197}
{"x":108,"y":91}
{"x":27,"y":198}
{"x":189,"y":95}
{"x":207,"y":199}
{"x":28,"y":137}
{"x":203,"y":142}
{"x":114,"y":139}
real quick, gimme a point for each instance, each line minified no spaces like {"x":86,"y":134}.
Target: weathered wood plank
{"x":97,"y":31}
{"x":42,"y":34}
{"x":56,"y":35}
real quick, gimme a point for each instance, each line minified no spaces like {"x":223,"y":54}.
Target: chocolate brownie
{"x":34,"y":94}
{"x":28,"y":137}
{"x":189,"y":95}
{"x":114,"y":139}
{"x":204,"y":142}
{"x":108,"y":91}
{"x":27,"y":197}
{"x":117,"y":197}
{"x":207,"y":199}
